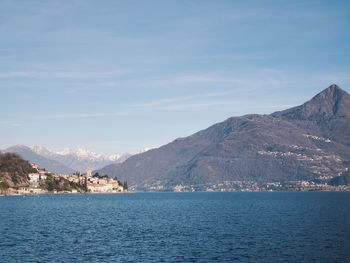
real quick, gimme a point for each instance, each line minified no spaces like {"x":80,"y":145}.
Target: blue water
{"x":176,"y":227}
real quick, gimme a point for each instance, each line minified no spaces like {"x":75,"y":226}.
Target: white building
{"x":34,"y":177}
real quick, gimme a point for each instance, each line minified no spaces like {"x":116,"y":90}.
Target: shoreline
{"x":133,"y":192}
{"x":61,"y":193}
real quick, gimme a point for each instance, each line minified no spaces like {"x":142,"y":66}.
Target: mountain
{"x":81,"y":159}
{"x":66,"y":161}
{"x":51,"y":165}
{"x":307,"y":142}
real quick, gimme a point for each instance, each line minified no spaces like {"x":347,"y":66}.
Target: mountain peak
{"x":41,"y":150}
{"x":329,"y":103}
{"x":17,"y":147}
{"x":333,"y":93}
{"x":309,"y":142}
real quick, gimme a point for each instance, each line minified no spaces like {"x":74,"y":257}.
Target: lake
{"x":176,"y":227}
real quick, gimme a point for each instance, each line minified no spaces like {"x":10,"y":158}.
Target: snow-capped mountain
{"x":43,"y":162}
{"x":84,"y":153}
{"x":81,"y":159}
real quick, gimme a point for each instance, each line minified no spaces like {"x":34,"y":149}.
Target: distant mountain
{"x":307,"y":142}
{"x":81,"y":159}
{"x":67,"y":161}
{"x":27,"y":154}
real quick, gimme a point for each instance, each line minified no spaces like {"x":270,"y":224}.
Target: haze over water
{"x":176,"y":227}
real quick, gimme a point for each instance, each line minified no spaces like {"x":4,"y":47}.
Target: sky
{"x":120,"y":76}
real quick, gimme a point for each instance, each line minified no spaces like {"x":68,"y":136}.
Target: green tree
{"x":85,"y":185}
{"x":125,"y":185}
{"x":4,"y":186}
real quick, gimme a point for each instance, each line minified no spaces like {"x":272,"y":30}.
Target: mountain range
{"x":307,"y":142}
{"x":80,"y":159}
{"x":66,"y":161}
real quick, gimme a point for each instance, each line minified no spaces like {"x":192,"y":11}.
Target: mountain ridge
{"x":306,"y":142}
{"x":66,"y":161}
{"x":324,"y":105}
{"x":81,"y":152}
{"x":27,"y":154}
{"x":81,"y":159}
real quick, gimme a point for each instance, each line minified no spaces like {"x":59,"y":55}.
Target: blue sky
{"x":120,"y":76}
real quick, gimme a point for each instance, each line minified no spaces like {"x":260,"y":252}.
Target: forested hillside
{"x":14,"y":171}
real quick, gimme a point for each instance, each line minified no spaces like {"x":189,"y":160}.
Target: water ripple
{"x":176,"y":227}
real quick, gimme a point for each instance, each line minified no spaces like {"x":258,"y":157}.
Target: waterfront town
{"x":43,"y":181}
{"x":20,"y":177}
{"x":327,"y":184}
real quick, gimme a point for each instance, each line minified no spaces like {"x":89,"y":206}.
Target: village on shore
{"x":43,"y":182}
{"x":20,"y":177}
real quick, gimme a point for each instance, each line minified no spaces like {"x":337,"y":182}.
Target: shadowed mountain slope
{"x":307,"y":142}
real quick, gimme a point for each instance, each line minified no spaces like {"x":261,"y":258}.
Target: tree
{"x":85,"y":185}
{"x":125,"y":185}
{"x":4,"y":187}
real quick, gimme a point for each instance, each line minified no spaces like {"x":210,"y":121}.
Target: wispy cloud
{"x":176,"y":100}
{"x":82,"y":115}
{"x":11,"y":124}
{"x":238,"y":56}
{"x":238,"y":80}
{"x":16,"y":124}
{"x":220,"y":105}
{"x":246,"y":93}
{"x":178,"y":103}
{"x":64,"y":74}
